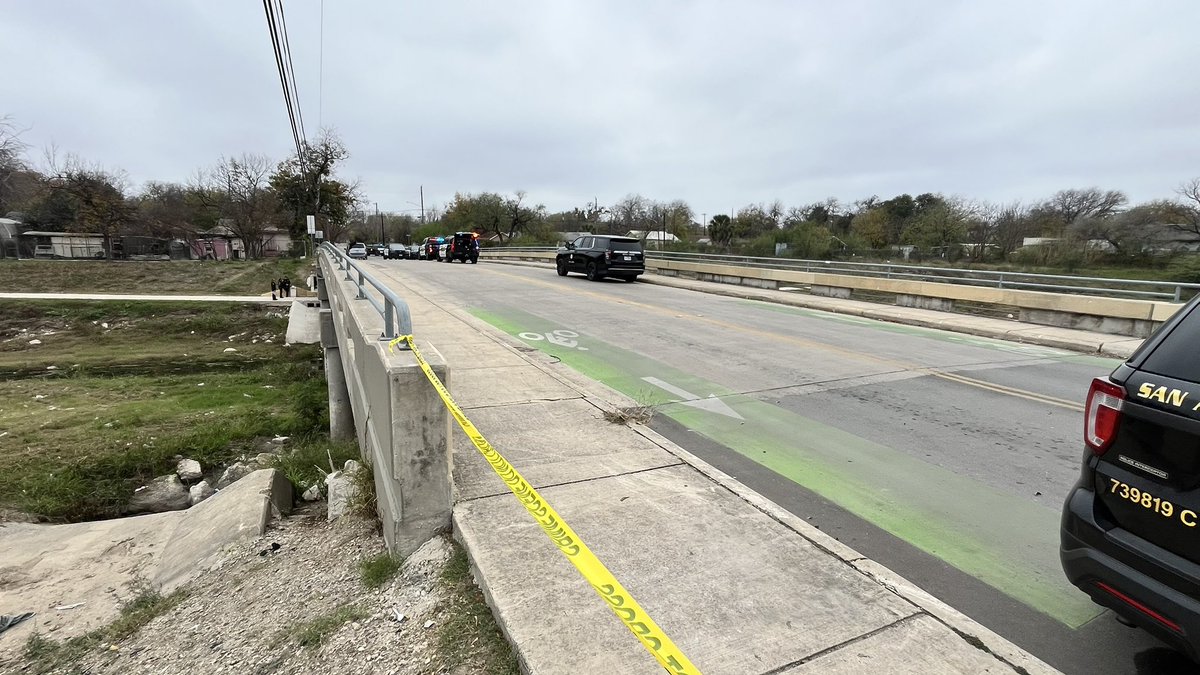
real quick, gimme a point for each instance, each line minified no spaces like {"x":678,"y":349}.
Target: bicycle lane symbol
{"x":560,"y":337}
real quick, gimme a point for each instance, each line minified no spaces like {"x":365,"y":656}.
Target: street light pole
{"x":422,"y":187}
{"x":381,"y":235}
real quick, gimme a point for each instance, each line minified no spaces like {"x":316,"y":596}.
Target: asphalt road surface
{"x":945,"y":457}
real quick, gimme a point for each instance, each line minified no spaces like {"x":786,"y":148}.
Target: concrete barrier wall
{"x":402,"y":427}
{"x":1111,"y":315}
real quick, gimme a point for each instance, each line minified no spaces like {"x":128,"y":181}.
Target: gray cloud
{"x":717,"y":103}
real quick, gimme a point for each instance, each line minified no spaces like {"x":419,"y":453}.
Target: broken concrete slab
{"x":304,"y":324}
{"x":48,"y":566}
{"x":239,"y":512}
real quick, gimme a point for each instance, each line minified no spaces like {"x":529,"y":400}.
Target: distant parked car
{"x":414,"y":251}
{"x":357,"y":251}
{"x":395,"y":251}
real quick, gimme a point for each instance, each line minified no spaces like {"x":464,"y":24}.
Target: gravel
{"x":249,"y":615}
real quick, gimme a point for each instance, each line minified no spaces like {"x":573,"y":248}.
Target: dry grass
{"x":150,"y":277}
{"x":641,"y":414}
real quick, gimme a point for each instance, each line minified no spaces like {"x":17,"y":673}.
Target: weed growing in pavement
{"x":45,"y":655}
{"x":314,"y":633}
{"x":641,"y":414}
{"x":470,"y":633}
{"x":378,"y":570}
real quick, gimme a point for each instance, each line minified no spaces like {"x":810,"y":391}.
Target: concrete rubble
{"x":188,"y":470}
{"x":165,"y":493}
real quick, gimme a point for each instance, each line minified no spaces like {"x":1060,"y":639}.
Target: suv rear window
{"x":618,"y":245}
{"x":1176,"y":356}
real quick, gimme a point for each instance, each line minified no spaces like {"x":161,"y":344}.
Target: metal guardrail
{"x":393,"y":308}
{"x":1058,"y":283}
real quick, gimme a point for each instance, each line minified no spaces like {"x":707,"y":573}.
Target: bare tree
{"x":238,"y":188}
{"x":1185,"y":216}
{"x":1011,"y":223}
{"x":631,"y":212}
{"x":518,"y":216}
{"x":1076,"y":204}
{"x":97,"y":194}
{"x":12,"y":151}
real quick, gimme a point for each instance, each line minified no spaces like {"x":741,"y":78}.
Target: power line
{"x":321,"y":70}
{"x":287,"y":50}
{"x":291,"y":105}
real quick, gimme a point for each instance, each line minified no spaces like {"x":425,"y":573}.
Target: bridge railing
{"x":1057,"y":283}
{"x":396,"y":319}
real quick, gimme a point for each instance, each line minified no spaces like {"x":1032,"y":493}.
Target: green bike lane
{"x":1007,"y":542}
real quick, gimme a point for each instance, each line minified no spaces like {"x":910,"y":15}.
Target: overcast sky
{"x":717,"y":103}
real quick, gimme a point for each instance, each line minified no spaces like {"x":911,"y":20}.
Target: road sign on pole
{"x":312,"y":223}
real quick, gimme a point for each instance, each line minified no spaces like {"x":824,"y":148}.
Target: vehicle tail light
{"x":608,"y":256}
{"x":1102,"y":414}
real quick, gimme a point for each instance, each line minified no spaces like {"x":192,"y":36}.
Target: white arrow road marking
{"x":711,"y":404}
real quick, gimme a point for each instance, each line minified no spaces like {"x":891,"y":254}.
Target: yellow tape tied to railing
{"x":605,"y":584}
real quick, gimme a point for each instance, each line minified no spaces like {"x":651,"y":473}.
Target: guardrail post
{"x":361,"y":295}
{"x":1000,"y":281}
{"x":1178,"y":293}
{"x":388,"y":315}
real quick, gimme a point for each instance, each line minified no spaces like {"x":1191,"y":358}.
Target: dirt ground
{"x":294,"y":601}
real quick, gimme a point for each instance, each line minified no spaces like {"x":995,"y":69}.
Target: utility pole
{"x":704,"y":223}
{"x":381,"y":235}
{"x":422,"y":187}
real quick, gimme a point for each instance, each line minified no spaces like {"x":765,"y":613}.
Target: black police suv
{"x":463,"y":246}
{"x":1131,"y":525}
{"x":600,"y":256}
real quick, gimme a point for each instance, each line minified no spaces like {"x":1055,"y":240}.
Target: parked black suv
{"x":463,"y":246}
{"x":599,"y":256}
{"x":1131,"y":525}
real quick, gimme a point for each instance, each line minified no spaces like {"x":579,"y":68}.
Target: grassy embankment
{"x":97,"y":397}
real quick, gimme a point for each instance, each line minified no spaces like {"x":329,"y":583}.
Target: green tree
{"x":939,"y":229}
{"x":753,"y":220}
{"x":50,"y":210}
{"x":485,"y":213}
{"x":873,"y":226}
{"x":306,"y":184}
{"x":720,"y":229}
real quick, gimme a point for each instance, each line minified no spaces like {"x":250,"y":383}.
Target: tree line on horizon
{"x":250,"y":193}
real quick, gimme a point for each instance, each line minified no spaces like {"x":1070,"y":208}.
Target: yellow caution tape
{"x":619,"y":600}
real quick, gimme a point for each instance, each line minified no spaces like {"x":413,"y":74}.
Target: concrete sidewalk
{"x":260,"y":299}
{"x":740,"y":585}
